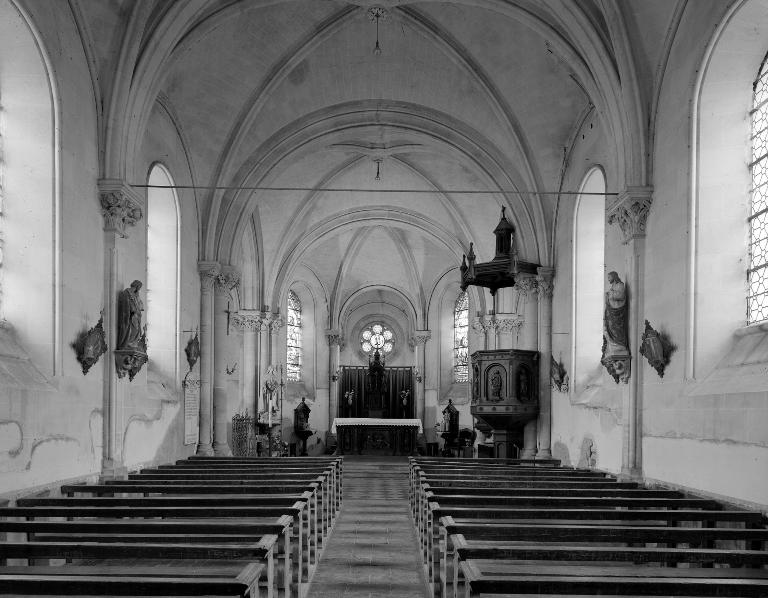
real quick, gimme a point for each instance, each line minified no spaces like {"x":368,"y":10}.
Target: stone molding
{"x":484,"y":324}
{"x":208,"y":271}
{"x":120,"y":207}
{"x":545,"y":285}
{"x":630,"y":211}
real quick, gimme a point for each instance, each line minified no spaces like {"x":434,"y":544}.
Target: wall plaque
{"x":191,"y":410}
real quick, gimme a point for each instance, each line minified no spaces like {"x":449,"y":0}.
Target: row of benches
{"x":527,"y":528}
{"x":208,"y":526}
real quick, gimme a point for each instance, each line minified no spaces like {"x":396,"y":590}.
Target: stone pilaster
{"x":419,"y":340}
{"x":630,"y":212}
{"x":226,"y":281}
{"x":249,"y":322}
{"x":208,"y":272}
{"x":545,"y":289}
{"x":335,"y":339}
{"x":120,"y":208}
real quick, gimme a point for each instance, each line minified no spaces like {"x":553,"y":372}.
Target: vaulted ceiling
{"x":479,"y":95}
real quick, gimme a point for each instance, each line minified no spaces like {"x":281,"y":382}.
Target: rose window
{"x":377,"y":336}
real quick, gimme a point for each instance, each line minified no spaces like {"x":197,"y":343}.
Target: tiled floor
{"x":373,"y":550}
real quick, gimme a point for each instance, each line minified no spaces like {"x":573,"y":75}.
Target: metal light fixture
{"x":374,"y":14}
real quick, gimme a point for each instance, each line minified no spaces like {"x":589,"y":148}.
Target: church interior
{"x":522,"y":233}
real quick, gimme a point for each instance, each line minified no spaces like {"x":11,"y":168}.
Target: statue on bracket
{"x":131,"y":351}
{"x":616,"y":356}
{"x":91,"y":345}
{"x":558,"y":375}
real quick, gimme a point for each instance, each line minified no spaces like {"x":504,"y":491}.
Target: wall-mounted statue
{"x":90,"y":345}
{"x":616,"y":356}
{"x":192,"y":351}
{"x":558,"y":375}
{"x":131,"y":350}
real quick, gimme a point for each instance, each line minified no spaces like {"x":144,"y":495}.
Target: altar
{"x":358,"y":434}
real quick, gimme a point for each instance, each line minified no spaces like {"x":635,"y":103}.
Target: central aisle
{"x":373,"y":550}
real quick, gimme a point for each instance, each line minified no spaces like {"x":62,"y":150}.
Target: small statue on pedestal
{"x":131,"y":350}
{"x":616,"y":356}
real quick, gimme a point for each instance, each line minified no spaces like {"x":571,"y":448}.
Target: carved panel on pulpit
{"x":505,"y":387}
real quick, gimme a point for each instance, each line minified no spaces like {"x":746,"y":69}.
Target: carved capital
{"x":227,"y":279}
{"x":247,"y":320}
{"x":208,"y":272}
{"x":630,"y":211}
{"x":509,"y":324}
{"x":525,"y":285}
{"x":420,"y":337}
{"x":276,"y":323}
{"x":484,"y":324}
{"x":335,"y":337}
{"x":545,"y":285}
{"x":120,"y":206}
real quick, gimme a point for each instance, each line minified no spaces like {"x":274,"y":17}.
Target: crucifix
{"x":229,"y":313}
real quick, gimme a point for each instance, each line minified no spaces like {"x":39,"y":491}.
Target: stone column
{"x":275,"y":325}
{"x":226,"y":281}
{"x":545,"y":287}
{"x":249,"y":322}
{"x":265,"y":318}
{"x":120,"y":208}
{"x":630,"y":211}
{"x":526,"y":287}
{"x":419,"y":340}
{"x":487,"y":326}
{"x":208,"y":272}
{"x":335,"y":344}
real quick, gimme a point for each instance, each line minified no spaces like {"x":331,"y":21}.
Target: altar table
{"x":356,"y":430}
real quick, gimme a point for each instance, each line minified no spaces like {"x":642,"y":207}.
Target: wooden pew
{"x":500,"y":578}
{"x":244,"y":508}
{"x":198,"y":531}
{"x":587,"y":537}
{"x":170,"y":556}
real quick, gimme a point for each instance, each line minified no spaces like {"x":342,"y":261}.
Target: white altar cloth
{"x":376,"y":421}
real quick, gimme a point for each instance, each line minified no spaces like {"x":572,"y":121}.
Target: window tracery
{"x":294,"y":340}
{"x":757,"y":274}
{"x":377,"y":336}
{"x":461,"y":338}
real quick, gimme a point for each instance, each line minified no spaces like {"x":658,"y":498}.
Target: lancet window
{"x":757,"y":274}
{"x":293,"y":360}
{"x":461,"y":338}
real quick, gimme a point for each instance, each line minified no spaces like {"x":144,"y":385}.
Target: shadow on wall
{"x":587,"y":454}
{"x":560,"y":451}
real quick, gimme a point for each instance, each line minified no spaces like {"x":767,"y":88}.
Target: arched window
{"x":461,"y":338}
{"x":293,"y":361}
{"x":162,"y":273}
{"x":757,"y":274}
{"x":588,"y":276}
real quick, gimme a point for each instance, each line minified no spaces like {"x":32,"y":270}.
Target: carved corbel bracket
{"x":247,"y":320}
{"x":227,"y":279}
{"x":525,"y":286}
{"x":630,"y":211}
{"x":618,"y":366}
{"x":509,"y":324}
{"x":276,"y":323}
{"x":120,"y":206}
{"x":129,"y":361}
{"x":545,"y":285}
{"x":208,"y":271}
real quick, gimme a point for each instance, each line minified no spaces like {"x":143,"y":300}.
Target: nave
{"x":373,"y":526}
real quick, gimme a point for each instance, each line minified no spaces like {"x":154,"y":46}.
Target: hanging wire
{"x":255,"y":188}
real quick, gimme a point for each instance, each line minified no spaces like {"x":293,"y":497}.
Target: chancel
{"x":476,"y":277}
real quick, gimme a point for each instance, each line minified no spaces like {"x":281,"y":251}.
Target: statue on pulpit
{"x":376,"y":385}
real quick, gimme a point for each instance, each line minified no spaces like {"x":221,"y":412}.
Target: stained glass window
{"x":293,"y":360}
{"x":461,"y":338}
{"x":757,"y":275}
{"x":377,"y":336}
